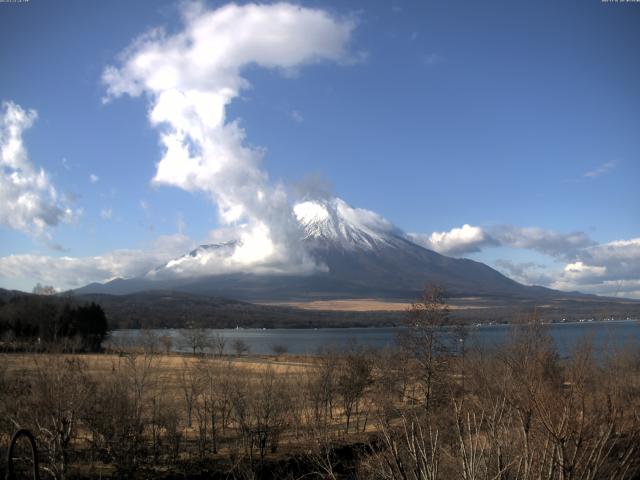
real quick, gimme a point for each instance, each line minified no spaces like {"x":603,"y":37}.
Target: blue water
{"x":604,"y":336}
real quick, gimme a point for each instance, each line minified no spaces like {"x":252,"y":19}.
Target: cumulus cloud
{"x":591,"y":265}
{"x":609,"y":267}
{"x":457,"y":241}
{"x":620,"y":257}
{"x":584,"y":265}
{"x":93,"y":178}
{"x":28,"y":200}
{"x":470,"y":239}
{"x":190,"y":79}
{"x":66,"y":272}
{"x":579,"y":272}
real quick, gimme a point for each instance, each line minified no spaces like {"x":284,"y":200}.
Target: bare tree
{"x":167,"y":342}
{"x":240,"y":347}
{"x":213,"y":404}
{"x":191,"y":385}
{"x":61,"y":393}
{"x":149,"y":341}
{"x":392,"y":377}
{"x":195,"y":339}
{"x":354,"y":376}
{"x":218,"y":343}
{"x":322,"y":387}
{"x":119,"y":412}
{"x":261,"y":411}
{"x":279,"y":349}
{"x":411,"y":450}
{"x":424,"y":342}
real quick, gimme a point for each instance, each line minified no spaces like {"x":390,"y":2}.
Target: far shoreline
{"x":369,"y":327}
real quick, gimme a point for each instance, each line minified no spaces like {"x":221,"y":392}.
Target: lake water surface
{"x":604,"y":335}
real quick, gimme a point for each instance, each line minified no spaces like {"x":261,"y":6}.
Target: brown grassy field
{"x":167,"y":365}
{"x":371,"y":305}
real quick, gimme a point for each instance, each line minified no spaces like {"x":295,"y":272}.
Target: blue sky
{"x":518,"y":119}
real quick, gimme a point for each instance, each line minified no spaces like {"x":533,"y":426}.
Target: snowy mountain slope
{"x":335,"y":223}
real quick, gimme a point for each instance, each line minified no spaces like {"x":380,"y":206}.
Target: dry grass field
{"x":168,"y":366}
{"x":372,"y":305}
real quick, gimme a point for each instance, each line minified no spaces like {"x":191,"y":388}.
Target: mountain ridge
{"x":364,"y":254}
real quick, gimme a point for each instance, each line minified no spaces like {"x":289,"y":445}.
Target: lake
{"x":604,"y":335}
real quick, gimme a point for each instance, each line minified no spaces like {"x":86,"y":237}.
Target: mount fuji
{"x":360,"y":255}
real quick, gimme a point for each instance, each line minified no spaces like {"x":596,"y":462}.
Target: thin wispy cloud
{"x":181,"y":225}
{"x":529,"y":273}
{"x":601,"y":170}
{"x":597,"y":172}
{"x":106,"y":213}
{"x":431,"y":59}
{"x":297,"y":116}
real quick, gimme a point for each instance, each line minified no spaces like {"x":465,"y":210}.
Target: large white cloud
{"x":621,"y":258}
{"x":611,"y":268}
{"x":190,"y":79}
{"x":457,"y":241}
{"x":72,"y":272}
{"x":28,"y":200}
{"x":470,"y":238}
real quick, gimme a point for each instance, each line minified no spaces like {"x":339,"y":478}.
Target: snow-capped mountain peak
{"x":336,"y":222}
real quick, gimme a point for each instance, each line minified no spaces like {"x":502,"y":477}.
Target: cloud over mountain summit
{"x":192,"y":76}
